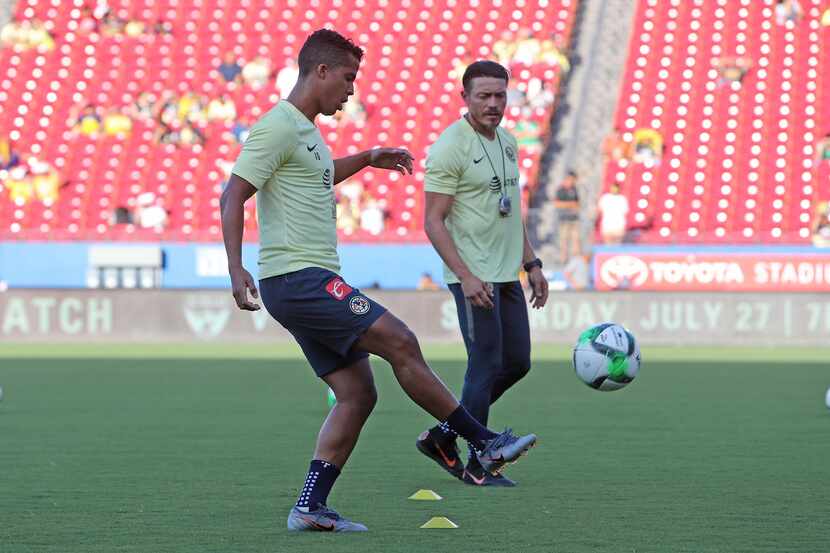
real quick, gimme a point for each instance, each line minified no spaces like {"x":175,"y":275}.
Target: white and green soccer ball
{"x":606,"y":357}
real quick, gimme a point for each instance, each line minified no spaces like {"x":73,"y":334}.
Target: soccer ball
{"x":606,"y":357}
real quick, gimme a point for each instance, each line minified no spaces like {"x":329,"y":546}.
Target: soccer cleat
{"x":322,"y":519}
{"x":504,"y":448}
{"x":445,"y":455}
{"x":477,"y":476}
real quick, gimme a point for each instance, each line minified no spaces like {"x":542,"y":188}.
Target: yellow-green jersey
{"x":291,"y":167}
{"x":477,"y":172}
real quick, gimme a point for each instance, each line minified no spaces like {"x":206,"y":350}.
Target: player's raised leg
{"x":392,"y":340}
{"x":356,"y":395}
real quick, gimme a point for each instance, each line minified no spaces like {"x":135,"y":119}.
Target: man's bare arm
{"x":232,"y":206}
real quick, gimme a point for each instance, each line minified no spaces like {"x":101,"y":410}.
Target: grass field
{"x":151,"y":449}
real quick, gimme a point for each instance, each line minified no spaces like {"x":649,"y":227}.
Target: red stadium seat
{"x":405,"y":83}
{"x":737,"y":160}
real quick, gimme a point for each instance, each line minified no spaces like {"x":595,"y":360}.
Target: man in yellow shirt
{"x":286,"y":163}
{"x":472,"y":217}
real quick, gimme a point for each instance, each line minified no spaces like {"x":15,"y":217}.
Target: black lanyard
{"x":502,"y":183}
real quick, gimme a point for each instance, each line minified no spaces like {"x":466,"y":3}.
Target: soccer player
{"x":286,"y":163}
{"x":473,"y":220}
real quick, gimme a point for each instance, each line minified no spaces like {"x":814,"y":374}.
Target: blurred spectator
{"x":821,"y":225}
{"x":347,"y":214}
{"x":87,"y":122}
{"x":222,"y":109}
{"x":134,"y":29}
{"x":88,"y":23}
{"x":648,"y":146}
{"x":788,"y":10}
{"x":149,"y":211}
{"x":516,"y":97}
{"x":567,"y":209}
{"x":191,"y":107}
{"x":540,"y":94}
{"x":372,"y":218}
{"x":8,"y":157}
{"x":19,"y":185}
{"x":167,"y":134}
{"x":551,"y":54}
{"x":26,"y":34}
{"x":121,"y":215}
{"x":190,"y":135}
{"x":162,"y":27}
{"x":528,"y":48}
{"x":287,"y":78}
{"x":117,"y":123}
{"x":241,"y":129}
{"x":732,"y":69}
{"x":45,"y":180}
{"x":169,"y":111}
{"x":257,"y":72}
{"x":577,"y":272}
{"x":144,"y":106}
{"x":823,"y":150}
{"x":613,"y":212}
{"x":504,"y":48}
{"x":229,"y":69}
{"x":111,"y":24}
{"x":427,"y":283}
{"x":353,"y":111}
{"x":614,"y":146}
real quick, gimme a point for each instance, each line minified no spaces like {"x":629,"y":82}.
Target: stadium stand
{"x":728,"y":100}
{"x":126,"y":130}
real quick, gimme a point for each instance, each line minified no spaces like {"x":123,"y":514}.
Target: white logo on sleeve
{"x":359,"y":305}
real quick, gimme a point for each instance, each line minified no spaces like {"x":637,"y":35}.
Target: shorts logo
{"x":359,"y":305}
{"x":338,"y":289}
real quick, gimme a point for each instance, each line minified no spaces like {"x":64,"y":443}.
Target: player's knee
{"x":405,"y":344}
{"x":363,"y":399}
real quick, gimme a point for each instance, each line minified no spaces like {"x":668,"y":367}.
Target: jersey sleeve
{"x":445,"y":165}
{"x":268,"y":146}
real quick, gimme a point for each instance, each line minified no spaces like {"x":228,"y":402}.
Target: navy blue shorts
{"x":324,"y":314}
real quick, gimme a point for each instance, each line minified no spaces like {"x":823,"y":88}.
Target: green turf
{"x":103,"y":450}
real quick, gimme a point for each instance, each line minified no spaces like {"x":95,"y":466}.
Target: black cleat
{"x":477,"y":476}
{"x":446,"y":455}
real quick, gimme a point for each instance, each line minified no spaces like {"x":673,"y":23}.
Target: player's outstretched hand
{"x":397,"y":159}
{"x":479,"y":293}
{"x":539,"y":287}
{"x":241,"y":282}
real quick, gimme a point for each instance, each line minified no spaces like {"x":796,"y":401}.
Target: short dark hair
{"x":327,"y":47}
{"x":483,"y":68}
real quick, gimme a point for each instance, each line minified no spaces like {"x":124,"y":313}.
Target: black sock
{"x":472,"y":461}
{"x":443,"y":433}
{"x":462,"y":423}
{"x":318,"y":484}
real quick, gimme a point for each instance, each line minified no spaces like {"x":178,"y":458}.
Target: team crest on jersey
{"x":359,"y":305}
{"x":511,"y":155}
{"x":327,"y":178}
{"x":338,"y":289}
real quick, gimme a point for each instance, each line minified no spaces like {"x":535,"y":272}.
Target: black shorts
{"x":324,"y":314}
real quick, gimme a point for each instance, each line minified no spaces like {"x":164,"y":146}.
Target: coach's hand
{"x":539,"y":287}
{"x":479,"y":293}
{"x":241,"y":282}
{"x":397,"y":159}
